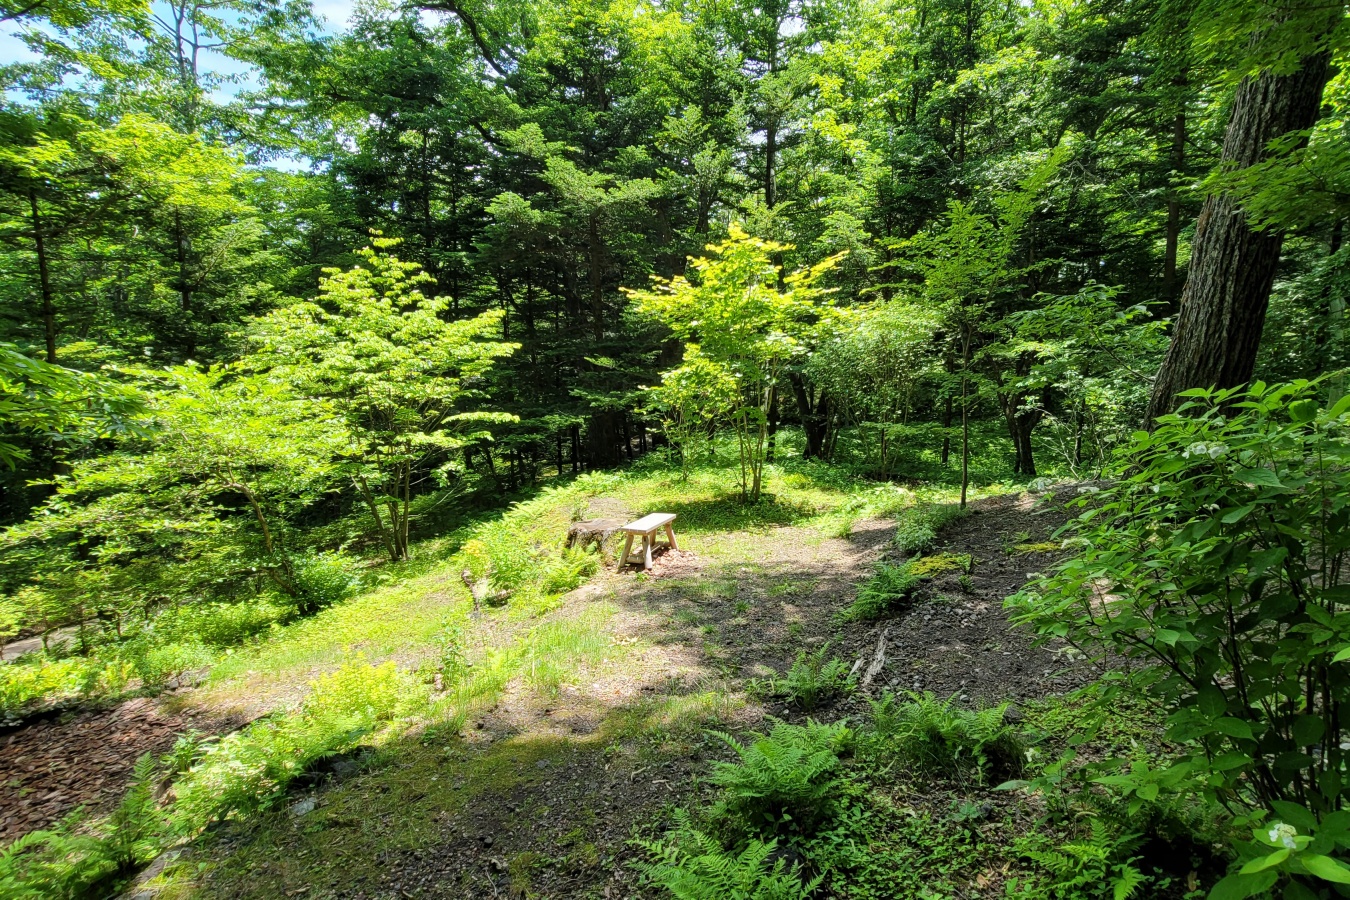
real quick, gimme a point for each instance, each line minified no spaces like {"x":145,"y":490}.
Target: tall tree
{"x":1233,"y":261}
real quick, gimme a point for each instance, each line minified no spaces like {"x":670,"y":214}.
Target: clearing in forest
{"x":558,"y":730}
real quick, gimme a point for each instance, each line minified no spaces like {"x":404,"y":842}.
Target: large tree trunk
{"x":814,"y":417}
{"x":1223,"y":306}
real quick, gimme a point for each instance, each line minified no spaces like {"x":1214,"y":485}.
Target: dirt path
{"x":545,"y":793}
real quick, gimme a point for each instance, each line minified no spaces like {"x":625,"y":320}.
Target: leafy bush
{"x":570,"y":572}
{"x":786,"y":781}
{"x":159,"y":665}
{"x":815,"y":679}
{"x":1218,"y":560}
{"x":218,"y":625}
{"x":939,"y":736}
{"x":322,"y":579}
{"x":694,"y":866}
{"x":33,"y":678}
{"x":918,"y":528}
{"x":892,"y":585}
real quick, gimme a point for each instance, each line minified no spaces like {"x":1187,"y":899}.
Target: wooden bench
{"x":647,"y":526}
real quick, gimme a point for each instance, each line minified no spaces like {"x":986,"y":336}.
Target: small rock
{"x":965,"y":698}
{"x":487,"y":840}
{"x":1012,"y":715}
{"x":541,"y":764}
{"x":303,"y":807}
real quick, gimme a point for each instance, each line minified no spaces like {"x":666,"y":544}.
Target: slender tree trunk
{"x":1223,"y":306}
{"x":946,"y":429}
{"x":363,"y":487}
{"x":1336,"y":320}
{"x":1174,"y":205}
{"x":596,"y":278}
{"x":813,"y":424}
{"x":770,"y":160}
{"x":771,"y":414}
{"x":965,"y":420}
{"x":44,"y":278}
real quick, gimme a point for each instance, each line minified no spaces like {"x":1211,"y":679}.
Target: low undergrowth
{"x":893,"y":586}
{"x":908,"y":803}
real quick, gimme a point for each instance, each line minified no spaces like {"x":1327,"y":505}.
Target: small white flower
{"x":1217,"y":450}
{"x":1284,"y":835}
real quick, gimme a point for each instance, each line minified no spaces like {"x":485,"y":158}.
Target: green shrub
{"x":887,"y":590}
{"x":694,"y":866}
{"x":218,"y":625}
{"x":570,"y":571}
{"x":159,"y":665}
{"x":35,"y":678}
{"x":934,"y":735}
{"x":919,"y":526}
{"x":786,"y":782}
{"x":815,"y":679}
{"x":1218,"y":560}
{"x":322,"y":579}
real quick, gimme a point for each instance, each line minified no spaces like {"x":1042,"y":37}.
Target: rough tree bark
{"x":1223,"y":305}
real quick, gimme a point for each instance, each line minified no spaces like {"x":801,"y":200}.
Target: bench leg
{"x":670,"y":536}
{"x":647,"y":541}
{"x":627,"y":549}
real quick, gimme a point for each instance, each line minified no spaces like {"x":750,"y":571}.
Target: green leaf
{"x":1240,"y":513}
{"x":1295,"y":815}
{"x":1212,"y":701}
{"x":1308,"y":730}
{"x":1342,"y":655}
{"x":1326,"y":868}
{"x":1265,"y":862}
{"x":1303,"y":411}
{"x":1240,"y":887}
{"x":1233,"y":728}
{"x":1259,"y":476}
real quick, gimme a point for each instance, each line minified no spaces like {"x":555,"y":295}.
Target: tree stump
{"x":600,"y":532}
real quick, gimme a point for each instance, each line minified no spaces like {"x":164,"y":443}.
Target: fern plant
{"x":887,"y":589}
{"x":134,"y":832}
{"x":815,"y":679}
{"x":694,"y":866}
{"x":72,"y":862}
{"x":786,"y":782}
{"x":937,"y":735}
{"x":1099,"y":866}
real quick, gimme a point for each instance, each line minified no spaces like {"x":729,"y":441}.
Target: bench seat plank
{"x":649,"y":523}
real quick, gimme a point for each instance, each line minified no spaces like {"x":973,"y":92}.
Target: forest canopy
{"x":313,"y":285}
